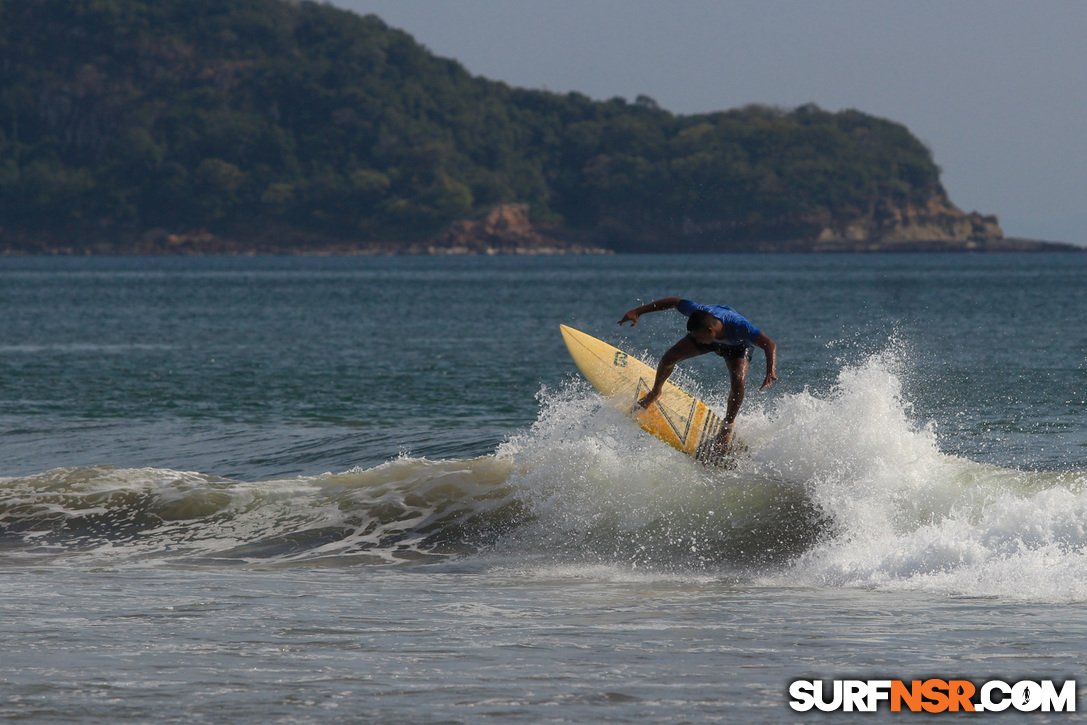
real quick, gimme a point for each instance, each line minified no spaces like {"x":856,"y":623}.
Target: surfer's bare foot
{"x":649,"y":398}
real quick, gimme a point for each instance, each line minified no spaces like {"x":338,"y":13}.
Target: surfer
{"x":711,"y":328}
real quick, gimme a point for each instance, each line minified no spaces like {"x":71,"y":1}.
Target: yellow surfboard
{"x":677,"y":418}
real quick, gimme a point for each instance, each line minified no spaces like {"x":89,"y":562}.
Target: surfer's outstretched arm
{"x":771,"y":351}
{"x":682,"y":350}
{"x":663,"y":304}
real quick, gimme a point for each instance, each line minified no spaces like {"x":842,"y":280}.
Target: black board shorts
{"x":728,"y":352}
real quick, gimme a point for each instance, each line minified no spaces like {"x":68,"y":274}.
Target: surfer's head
{"x":703,"y":326}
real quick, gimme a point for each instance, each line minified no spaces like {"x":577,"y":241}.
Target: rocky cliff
{"x":937,"y":221}
{"x":507,"y":229}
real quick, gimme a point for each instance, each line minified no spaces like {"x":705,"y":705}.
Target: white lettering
{"x":835,"y":703}
{"x":1064,"y":701}
{"x":1027,"y":696}
{"x":878,"y":690}
{"x":995,"y":705}
{"x":803,"y":694}
{"x":855,"y":695}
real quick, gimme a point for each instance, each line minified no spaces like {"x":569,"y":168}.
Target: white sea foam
{"x":844,"y":487}
{"x":907,"y":516}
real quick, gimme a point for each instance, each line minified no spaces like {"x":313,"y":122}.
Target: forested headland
{"x":266,"y":125}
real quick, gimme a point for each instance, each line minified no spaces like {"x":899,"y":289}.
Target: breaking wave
{"x":842,"y":488}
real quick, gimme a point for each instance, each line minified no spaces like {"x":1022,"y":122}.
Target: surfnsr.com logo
{"x":933,"y":695}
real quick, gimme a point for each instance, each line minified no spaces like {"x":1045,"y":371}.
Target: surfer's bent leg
{"x":682,"y":350}
{"x":737,"y":368}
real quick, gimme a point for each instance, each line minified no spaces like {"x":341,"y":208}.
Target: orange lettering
{"x":912,"y":696}
{"x":934,"y":691}
{"x":960,"y":693}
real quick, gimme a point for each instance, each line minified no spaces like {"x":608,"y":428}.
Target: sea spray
{"x":907,"y":516}
{"x":843,"y":488}
{"x":603,"y":492}
{"x":854,"y":447}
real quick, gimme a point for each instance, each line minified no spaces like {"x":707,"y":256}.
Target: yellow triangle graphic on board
{"x":683,"y":429}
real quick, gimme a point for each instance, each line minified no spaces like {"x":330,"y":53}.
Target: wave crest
{"x":842,"y":488}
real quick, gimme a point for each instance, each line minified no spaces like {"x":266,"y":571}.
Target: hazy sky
{"x":996,"y":88}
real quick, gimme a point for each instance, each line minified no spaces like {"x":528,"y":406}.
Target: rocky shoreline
{"x":508,"y":231}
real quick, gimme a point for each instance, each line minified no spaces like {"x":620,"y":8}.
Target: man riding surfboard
{"x":711,"y":328}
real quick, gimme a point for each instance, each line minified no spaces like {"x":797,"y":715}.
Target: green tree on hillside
{"x":189,"y":114}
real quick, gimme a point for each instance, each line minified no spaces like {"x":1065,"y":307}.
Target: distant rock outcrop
{"x":507,"y":229}
{"x":937,"y":221}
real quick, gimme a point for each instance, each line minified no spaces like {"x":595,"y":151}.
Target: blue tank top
{"x":738,"y":331}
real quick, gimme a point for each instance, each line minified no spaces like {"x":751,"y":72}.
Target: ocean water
{"x":307,"y":490}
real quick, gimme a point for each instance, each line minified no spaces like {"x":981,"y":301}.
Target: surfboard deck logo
{"x":677,"y":418}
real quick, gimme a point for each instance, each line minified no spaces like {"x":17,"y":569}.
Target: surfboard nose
{"x":571,"y":337}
